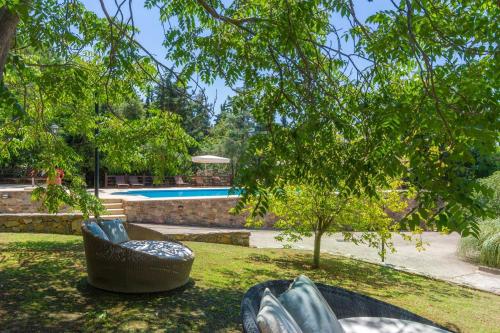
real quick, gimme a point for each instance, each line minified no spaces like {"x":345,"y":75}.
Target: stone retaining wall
{"x":232,"y":238}
{"x":213,"y":212}
{"x":17,"y":201}
{"x":207,"y":212}
{"x":68,"y":224}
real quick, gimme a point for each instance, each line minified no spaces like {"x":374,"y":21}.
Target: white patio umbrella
{"x":210,"y":159}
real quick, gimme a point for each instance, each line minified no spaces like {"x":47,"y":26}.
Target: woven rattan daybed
{"x":115,"y":267}
{"x":344,"y":303}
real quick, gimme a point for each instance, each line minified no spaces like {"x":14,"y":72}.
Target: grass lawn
{"x":43,"y":288}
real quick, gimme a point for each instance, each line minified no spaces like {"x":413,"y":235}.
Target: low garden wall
{"x":17,"y":201}
{"x":64,"y":223}
{"x":231,"y":238}
{"x":18,"y":213}
{"x":205,"y":212}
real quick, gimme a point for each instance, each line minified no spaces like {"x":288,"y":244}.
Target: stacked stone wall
{"x":205,"y":212}
{"x":68,"y":224}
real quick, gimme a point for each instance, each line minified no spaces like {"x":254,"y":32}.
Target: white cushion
{"x":273,"y":317}
{"x":385,"y":325}
{"x":163,"y":249}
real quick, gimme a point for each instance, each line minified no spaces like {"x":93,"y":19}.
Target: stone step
{"x":111,"y":200}
{"x":112,"y":205}
{"x":114,"y":211}
{"x":113,"y":217}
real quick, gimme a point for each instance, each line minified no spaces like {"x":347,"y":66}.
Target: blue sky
{"x":151,"y":35}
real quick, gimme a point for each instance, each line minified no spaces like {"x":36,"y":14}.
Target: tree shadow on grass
{"x":42,"y":245}
{"x":185,"y":309}
{"x":43,"y":288}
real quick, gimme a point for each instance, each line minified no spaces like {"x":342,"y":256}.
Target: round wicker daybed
{"x":344,"y":303}
{"x":115,"y":267}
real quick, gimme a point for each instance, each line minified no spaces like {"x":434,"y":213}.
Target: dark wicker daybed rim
{"x":344,"y":303}
{"x":129,"y":251}
{"x":117,"y":268}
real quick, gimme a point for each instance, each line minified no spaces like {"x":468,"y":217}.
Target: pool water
{"x":183,"y":193}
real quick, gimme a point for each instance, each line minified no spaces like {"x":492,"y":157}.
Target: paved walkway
{"x":438,"y":260}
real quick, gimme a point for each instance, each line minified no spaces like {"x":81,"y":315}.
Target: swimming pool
{"x":183,"y":193}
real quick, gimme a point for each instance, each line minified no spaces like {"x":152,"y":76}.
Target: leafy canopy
{"x":63,"y":61}
{"x":411,"y":93}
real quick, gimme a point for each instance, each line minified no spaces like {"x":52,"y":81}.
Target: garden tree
{"x":307,"y":209}
{"x":139,"y":145}
{"x":229,"y":136}
{"x":376,"y":219}
{"x":150,"y":140}
{"x":412,"y":91}
{"x":486,"y":165}
{"x":194,"y":111}
{"x":156,"y":142}
{"x":62,"y":61}
{"x":131,"y":109}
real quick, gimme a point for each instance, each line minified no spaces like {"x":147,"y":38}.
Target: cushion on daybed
{"x":309,"y":308}
{"x":162,"y":249}
{"x":96,"y":230}
{"x":273,"y":317}
{"x":115,"y":230}
{"x":385,"y":325}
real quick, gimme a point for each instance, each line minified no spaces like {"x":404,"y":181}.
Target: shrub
{"x":486,"y":248}
{"x":469,"y":249}
{"x":490,"y":251}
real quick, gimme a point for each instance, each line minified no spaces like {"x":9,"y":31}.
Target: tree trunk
{"x":8,"y":24}
{"x":382,"y":252}
{"x":317,"y":248}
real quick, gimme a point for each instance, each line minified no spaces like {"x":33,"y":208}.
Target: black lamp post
{"x":54,"y":129}
{"x":96,"y":153}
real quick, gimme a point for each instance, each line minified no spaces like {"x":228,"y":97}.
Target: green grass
{"x":43,"y":288}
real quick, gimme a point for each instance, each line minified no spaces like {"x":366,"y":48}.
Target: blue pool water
{"x":182,"y":193}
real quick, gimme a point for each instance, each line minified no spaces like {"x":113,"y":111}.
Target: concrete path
{"x":438,"y":260}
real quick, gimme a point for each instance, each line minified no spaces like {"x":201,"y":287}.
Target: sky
{"x":151,"y":35}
